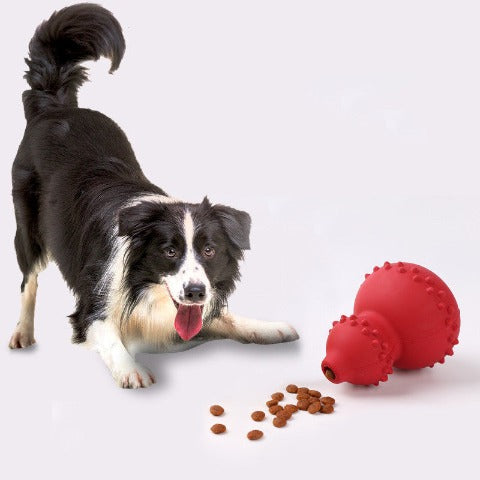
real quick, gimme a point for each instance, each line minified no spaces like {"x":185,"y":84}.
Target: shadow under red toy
{"x":405,"y":316}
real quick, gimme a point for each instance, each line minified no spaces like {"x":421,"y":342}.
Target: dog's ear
{"x":236,"y":224}
{"x":135,"y":219}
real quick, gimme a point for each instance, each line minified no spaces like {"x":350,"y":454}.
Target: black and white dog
{"x":150,"y":272}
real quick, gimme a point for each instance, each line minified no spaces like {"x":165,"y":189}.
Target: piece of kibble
{"x":303,"y":404}
{"x":302,"y":390}
{"x":290,"y":408}
{"x":279,"y":422}
{"x":314,"y":393}
{"x":291,"y":388}
{"x":254,"y":434}
{"x":258,"y":416}
{"x":303,"y":396}
{"x":327,"y":400}
{"x":285,"y":414}
{"x":216,"y":410}
{"x":327,"y":409}
{"x":218,"y":428}
{"x":271,"y":403}
{"x":278,"y":396}
{"x":314,"y":407}
{"x":275,"y":409}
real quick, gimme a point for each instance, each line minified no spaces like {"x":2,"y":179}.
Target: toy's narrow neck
{"x":386,"y":336}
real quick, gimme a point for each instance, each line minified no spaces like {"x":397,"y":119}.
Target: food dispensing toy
{"x":404,"y":316}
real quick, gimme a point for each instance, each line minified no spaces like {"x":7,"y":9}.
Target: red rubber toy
{"x":405,"y":316}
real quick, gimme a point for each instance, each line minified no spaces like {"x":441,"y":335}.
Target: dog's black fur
{"x":75,"y":172}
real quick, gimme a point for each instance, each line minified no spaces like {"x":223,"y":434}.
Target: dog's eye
{"x":208,"y":252}
{"x":170,"y":252}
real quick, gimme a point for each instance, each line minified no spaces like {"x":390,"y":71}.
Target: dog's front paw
{"x":274,"y":332}
{"x":21,"y":338}
{"x":134,"y":377}
{"x":254,"y":331}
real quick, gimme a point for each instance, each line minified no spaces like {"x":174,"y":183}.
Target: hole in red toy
{"x":328,"y":372}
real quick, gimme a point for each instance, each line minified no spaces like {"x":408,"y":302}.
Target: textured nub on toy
{"x":405,"y":316}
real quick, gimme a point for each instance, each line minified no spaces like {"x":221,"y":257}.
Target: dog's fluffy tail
{"x":80,"y":32}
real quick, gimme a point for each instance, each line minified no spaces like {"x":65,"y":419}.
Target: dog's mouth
{"x":188,"y":320}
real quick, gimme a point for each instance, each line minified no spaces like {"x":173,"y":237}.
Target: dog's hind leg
{"x":247,"y":330}
{"x":23,"y":335}
{"x":31,"y":256}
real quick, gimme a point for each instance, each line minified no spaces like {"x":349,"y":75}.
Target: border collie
{"x":149,"y":272}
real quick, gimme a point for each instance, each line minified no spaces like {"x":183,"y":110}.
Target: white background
{"x":349,"y":131}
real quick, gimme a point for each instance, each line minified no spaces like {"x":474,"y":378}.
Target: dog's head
{"x":193,"y":249}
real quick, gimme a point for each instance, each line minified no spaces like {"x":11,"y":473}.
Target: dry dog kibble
{"x":290,"y":408}
{"x":279,"y":422}
{"x":303,"y":404}
{"x":327,"y":409}
{"x":258,"y":416}
{"x":275,"y":409}
{"x":314,"y":407}
{"x":218,"y":428}
{"x":216,"y":410}
{"x":307,"y":400}
{"x":303,"y":396}
{"x":285,"y":414}
{"x":254,"y":434}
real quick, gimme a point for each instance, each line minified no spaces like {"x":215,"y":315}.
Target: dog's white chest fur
{"x":150,"y":326}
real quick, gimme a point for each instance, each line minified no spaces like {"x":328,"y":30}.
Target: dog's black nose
{"x":195,"y":292}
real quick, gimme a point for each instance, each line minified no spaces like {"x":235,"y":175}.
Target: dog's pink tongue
{"x":188,"y":321}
